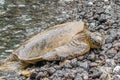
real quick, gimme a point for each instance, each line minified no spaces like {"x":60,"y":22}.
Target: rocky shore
{"x":21,"y":19}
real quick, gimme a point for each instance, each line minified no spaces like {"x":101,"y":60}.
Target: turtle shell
{"x":33,"y":49}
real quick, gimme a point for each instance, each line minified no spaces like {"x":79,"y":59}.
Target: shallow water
{"x":18,"y":22}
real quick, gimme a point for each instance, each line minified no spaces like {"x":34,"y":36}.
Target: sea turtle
{"x":60,"y":42}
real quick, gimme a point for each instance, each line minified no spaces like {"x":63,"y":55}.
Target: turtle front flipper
{"x":77,"y":47}
{"x":12,"y":57}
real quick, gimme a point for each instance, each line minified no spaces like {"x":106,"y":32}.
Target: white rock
{"x":116,"y":70}
{"x":105,"y":0}
{"x":90,"y":3}
{"x":8,"y":50}
{"x":2,"y":47}
{"x":21,"y":5}
{"x":65,"y":0}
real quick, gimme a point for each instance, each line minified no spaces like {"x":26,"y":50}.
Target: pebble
{"x":110,"y":62}
{"x":105,"y":0}
{"x":60,"y":73}
{"x":67,"y":65}
{"x":41,"y":75}
{"x":65,"y":1}
{"x":93,"y":64}
{"x":111,"y":53}
{"x":116,"y":45}
{"x":116,"y":70}
{"x":91,"y":56}
{"x":21,"y":5}
{"x":51,"y":70}
{"x":102,"y":19}
{"x":96,"y":75}
{"x":84,"y":65}
{"x":85,"y":75}
{"x":117,"y":56}
{"x":116,"y":77}
{"x":2,"y":47}
{"x":8,"y":51}
{"x":90,"y":3}
{"x":78,"y":77}
{"x":107,"y":46}
{"x":73,"y":62}
{"x":33,"y":75}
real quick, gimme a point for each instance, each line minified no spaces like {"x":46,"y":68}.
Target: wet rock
{"x":2,"y":2}
{"x":116,"y":70}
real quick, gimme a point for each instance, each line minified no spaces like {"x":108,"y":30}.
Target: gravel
{"x":20,"y":20}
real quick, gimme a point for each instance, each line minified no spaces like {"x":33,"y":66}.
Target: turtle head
{"x":96,"y":39}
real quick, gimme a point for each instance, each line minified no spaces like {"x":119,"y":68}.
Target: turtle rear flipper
{"x":8,"y":66}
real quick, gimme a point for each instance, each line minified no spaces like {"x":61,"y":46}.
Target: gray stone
{"x":111,"y":53}
{"x":78,"y":77}
{"x":73,"y":62}
{"x":110,"y":62}
{"x":96,"y":75}
{"x":51,"y":70}
{"x":91,"y":56}
{"x":116,"y":77}
{"x":84,"y":65}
